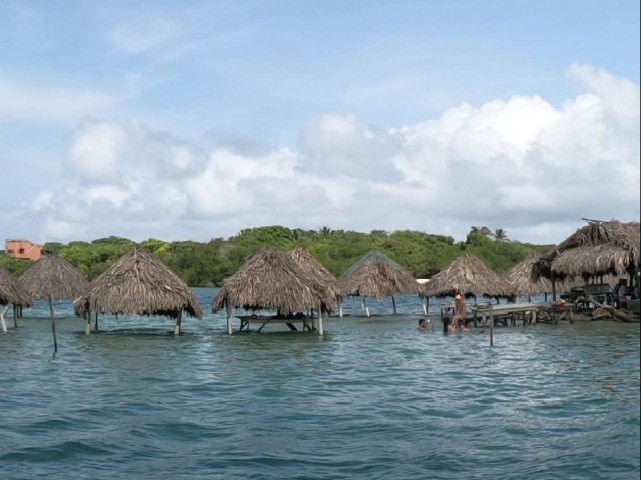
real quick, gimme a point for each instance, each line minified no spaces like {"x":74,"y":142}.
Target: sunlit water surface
{"x":373,"y":398}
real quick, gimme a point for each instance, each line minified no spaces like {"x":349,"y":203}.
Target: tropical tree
{"x":500,"y":235}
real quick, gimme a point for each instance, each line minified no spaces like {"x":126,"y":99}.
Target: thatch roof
{"x":376,"y":275}
{"x":313,"y":268}
{"x":270,"y":279}
{"x":597,"y":249}
{"x":138,"y":284}
{"x":522,"y":281}
{"x":469,"y":276}
{"x":54,"y":277}
{"x":12,"y":290}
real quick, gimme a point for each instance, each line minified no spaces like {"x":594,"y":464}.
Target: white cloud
{"x":520,"y":164}
{"x":20,"y":100}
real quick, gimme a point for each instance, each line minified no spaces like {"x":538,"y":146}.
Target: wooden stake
{"x":178,"y":322}
{"x":229,"y":332}
{"x":320,"y":321}
{"x":491,"y":326}
{"x":2,"y":320}
{"x":15,"y":316}
{"x":53,"y":325}
{"x":393,"y":304}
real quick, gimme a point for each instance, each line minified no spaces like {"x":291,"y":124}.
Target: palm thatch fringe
{"x":55,"y":278}
{"x":270,"y":279}
{"x":314,"y":269}
{"x":139,"y":284}
{"x":597,"y":249}
{"x":12,"y":291}
{"x":378,"y":276}
{"x":595,"y":260}
{"x":521,"y":277}
{"x":470,"y":276}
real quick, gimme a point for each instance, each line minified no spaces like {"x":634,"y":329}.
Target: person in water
{"x":422,"y":325}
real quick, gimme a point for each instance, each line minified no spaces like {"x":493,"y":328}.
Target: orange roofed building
{"x":23,"y":249}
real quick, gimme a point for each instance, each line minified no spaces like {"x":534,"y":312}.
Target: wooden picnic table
{"x":497,"y":312}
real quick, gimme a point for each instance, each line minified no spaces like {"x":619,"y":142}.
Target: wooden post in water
{"x":15,"y":315}
{"x":178,"y":323}
{"x":364,"y":307}
{"x":53,"y":325}
{"x":228,"y":316}
{"x":491,"y":326}
{"x":425,"y":302}
{"x":320,"y":321}
{"x":95,"y":325}
{"x":2,"y":320}
{"x":394,"y":304}
{"x":340,"y":308}
{"x":88,"y":324}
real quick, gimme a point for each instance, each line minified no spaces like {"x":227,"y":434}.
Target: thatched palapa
{"x":524,"y":282}
{"x":378,"y":276}
{"x":270,"y":279}
{"x":54,"y":278}
{"x":139,"y":284}
{"x":11,"y":292}
{"x":595,"y":250}
{"x":470,"y":276}
{"x":314,"y":269}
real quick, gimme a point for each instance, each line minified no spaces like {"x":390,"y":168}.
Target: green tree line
{"x":208,"y":264}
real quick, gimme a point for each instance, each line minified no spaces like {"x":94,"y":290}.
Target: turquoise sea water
{"x":373,"y":399}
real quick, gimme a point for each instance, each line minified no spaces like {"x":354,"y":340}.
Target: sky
{"x":194,"y":120}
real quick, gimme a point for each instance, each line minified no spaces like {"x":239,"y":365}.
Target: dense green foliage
{"x":207,"y":264}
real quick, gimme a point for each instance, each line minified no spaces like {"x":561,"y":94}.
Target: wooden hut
{"x":270,"y":279}
{"x":314,"y":269}
{"x":378,"y":276}
{"x":54,"y":278}
{"x":12,"y":292}
{"x":594,"y":251}
{"x":470,"y":276}
{"x":138,"y":284}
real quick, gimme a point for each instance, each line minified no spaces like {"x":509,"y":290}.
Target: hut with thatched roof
{"x":314,"y":269}
{"x":270,"y":279}
{"x":525,"y":282}
{"x":378,"y":276}
{"x":12,"y":292}
{"x":54,"y":278}
{"x":469,"y":276}
{"x":594,"y":251}
{"x":139,"y":284}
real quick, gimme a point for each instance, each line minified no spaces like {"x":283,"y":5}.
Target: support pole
{"x":229,"y":332}
{"x":491,"y":326}
{"x":2,"y":319}
{"x":394,"y":304}
{"x":178,"y":323}
{"x":320,"y":321}
{"x":365,"y":308}
{"x":53,"y":325}
{"x":88,"y":324}
{"x":15,"y":315}
{"x":340,"y":308}
{"x":95,"y":325}
{"x":424,"y":303}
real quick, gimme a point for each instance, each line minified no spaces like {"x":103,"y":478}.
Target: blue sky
{"x":195,"y":119}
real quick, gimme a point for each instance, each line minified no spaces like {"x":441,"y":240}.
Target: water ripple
{"x":372,"y":399}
